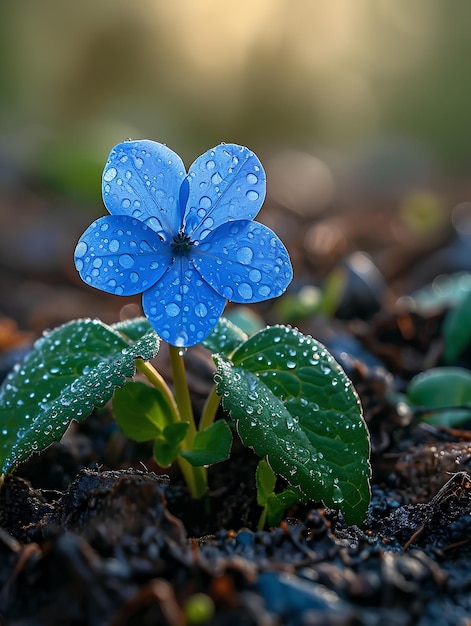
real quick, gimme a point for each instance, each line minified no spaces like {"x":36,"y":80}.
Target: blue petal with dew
{"x":182,"y":307}
{"x":120,"y":255}
{"x":244,"y":262}
{"x":226,"y":183}
{"x":142,"y":179}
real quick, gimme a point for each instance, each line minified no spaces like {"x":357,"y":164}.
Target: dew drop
{"x":228,"y":293}
{"x":81,"y":249}
{"x":337,"y":494}
{"x":251,"y":179}
{"x":201,"y":310}
{"x":255,"y":276}
{"x":110,"y":174}
{"x":245,"y":255}
{"x":126,"y":261}
{"x":210,"y":165}
{"x":172,"y":309}
{"x":205,"y":202}
{"x":245,"y":291}
{"x":113,"y":245}
{"x":252,"y":195}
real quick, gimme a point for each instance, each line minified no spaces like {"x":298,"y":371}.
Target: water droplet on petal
{"x":201,"y":310}
{"x":126,"y":261}
{"x":205,"y":202}
{"x":245,"y":291}
{"x":252,"y":195}
{"x":113,"y":246}
{"x":110,"y":174}
{"x":255,"y":276}
{"x":81,"y":249}
{"x":210,"y":165}
{"x":172,"y":309}
{"x":251,"y":179}
{"x":245,"y":255}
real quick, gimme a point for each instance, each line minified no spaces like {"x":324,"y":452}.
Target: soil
{"x":92,"y":532}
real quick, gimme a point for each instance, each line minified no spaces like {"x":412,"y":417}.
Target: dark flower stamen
{"x":181,"y":243}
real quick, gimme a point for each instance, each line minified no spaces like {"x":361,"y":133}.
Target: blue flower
{"x":187,"y":242}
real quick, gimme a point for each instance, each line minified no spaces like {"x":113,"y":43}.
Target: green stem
{"x":159,"y":383}
{"x":263,"y":518}
{"x":195,"y":477}
{"x":182,"y":393}
{"x":199,"y":483}
{"x":210,"y":409}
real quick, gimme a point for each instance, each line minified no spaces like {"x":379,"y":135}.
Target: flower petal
{"x":120,"y":255}
{"x":142,"y":179}
{"x":244,"y":262}
{"x":226,"y":183}
{"x":182,"y":308}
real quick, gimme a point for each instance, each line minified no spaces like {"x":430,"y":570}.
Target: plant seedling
{"x":188,"y":243}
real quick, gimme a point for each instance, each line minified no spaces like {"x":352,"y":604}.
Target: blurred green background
{"x":350,"y":81}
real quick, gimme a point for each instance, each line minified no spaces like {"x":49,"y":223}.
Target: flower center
{"x":181,"y":243}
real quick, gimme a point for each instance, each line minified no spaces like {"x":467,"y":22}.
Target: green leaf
{"x":135,"y":328}
{"x":275,"y":504}
{"x":211,"y":445}
{"x":443,"y":388}
{"x":167,"y":445}
{"x":293,"y":403}
{"x":142,"y":412}
{"x":457,"y":329}
{"x":70,"y":371}
{"x":225,"y":337}
{"x":265,"y":480}
{"x":279,"y":502}
{"x":246,"y":319}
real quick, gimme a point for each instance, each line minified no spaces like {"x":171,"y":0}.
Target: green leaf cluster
{"x":293,"y":404}
{"x":70,"y":371}
{"x":143,"y":414}
{"x":282,"y":391}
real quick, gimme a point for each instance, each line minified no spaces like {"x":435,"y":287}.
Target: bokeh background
{"x":359,"y":110}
